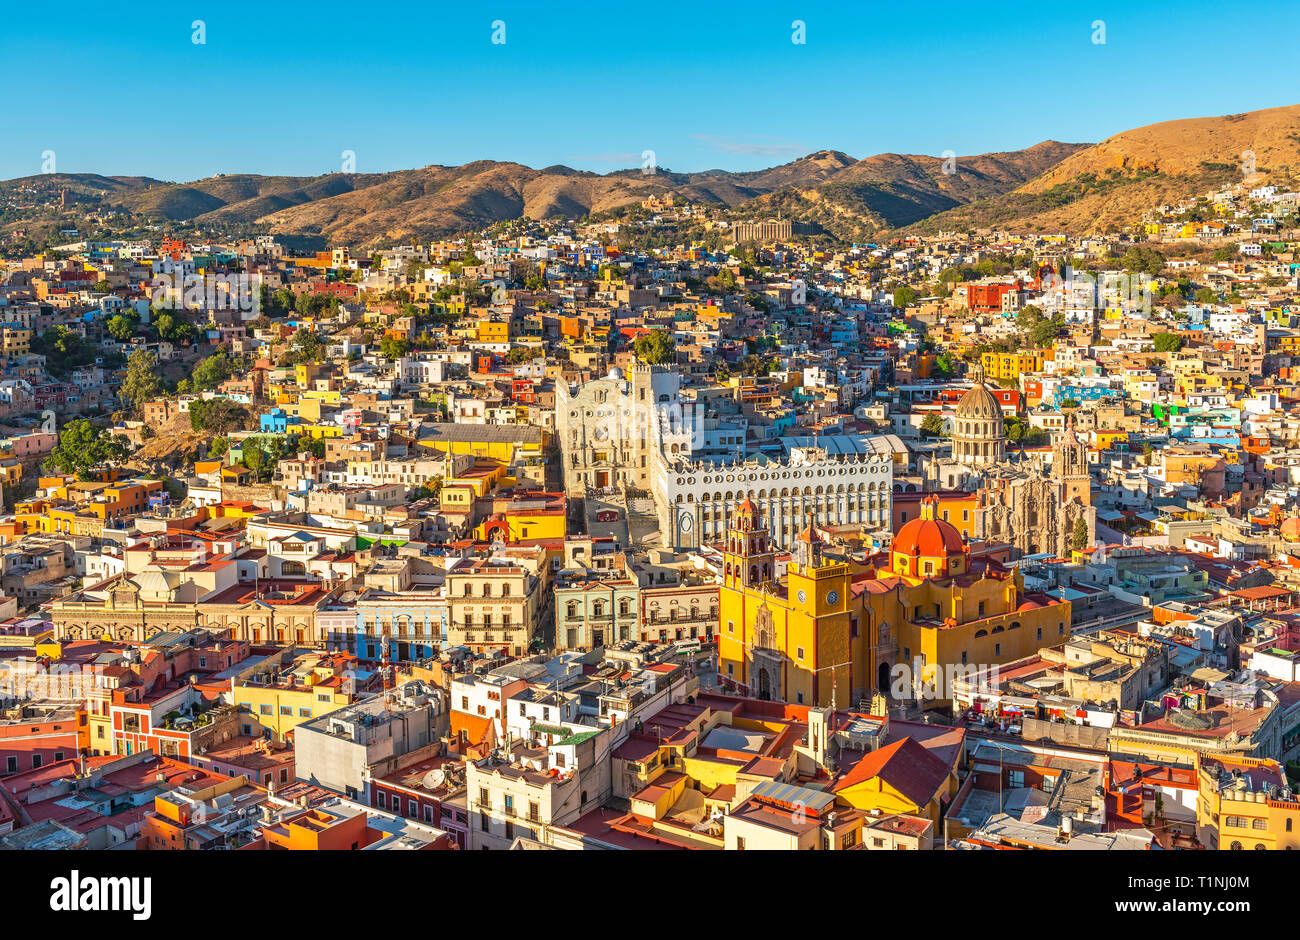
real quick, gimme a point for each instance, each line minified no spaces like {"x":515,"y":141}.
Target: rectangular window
{"x":265,"y":710}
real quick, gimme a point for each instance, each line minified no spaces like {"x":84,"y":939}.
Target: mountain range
{"x":1051,"y":186}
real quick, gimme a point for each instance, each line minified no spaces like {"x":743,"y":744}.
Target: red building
{"x":44,"y":734}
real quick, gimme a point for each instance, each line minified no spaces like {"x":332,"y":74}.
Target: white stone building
{"x":695,"y":499}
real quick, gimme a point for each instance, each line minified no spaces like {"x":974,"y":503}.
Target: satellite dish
{"x":348,"y":597}
{"x":433,"y":779}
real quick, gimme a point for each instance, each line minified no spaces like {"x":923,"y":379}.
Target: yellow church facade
{"x":833,"y":635}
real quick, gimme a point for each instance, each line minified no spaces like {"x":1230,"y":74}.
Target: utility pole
{"x":834,"y":677}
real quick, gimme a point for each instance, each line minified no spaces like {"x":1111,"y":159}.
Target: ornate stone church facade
{"x":1036,"y":510}
{"x":1020,"y":502}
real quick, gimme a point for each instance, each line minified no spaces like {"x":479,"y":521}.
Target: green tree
{"x":932,"y":425}
{"x":1079,"y":535}
{"x":311,"y":445}
{"x":655,"y":347}
{"x":83,"y":447}
{"x":905,"y":296}
{"x":1206,"y":295}
{"x":261,"y":455}
{"x":1167,"y":342}
{"x":307,"y":346}
{"x":218,"y":415}
{"x":1036,"y":329}
{"x":142,"y":384}
{"x":392,"y":348}
{"x":122,"y":327}
{"x":63,"y":350}
{"x":212,"y":371}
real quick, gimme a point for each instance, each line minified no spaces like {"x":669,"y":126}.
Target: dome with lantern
{"x":978,"y":431}
{"x":928,"y":546}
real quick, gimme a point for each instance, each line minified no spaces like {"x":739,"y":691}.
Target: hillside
{"x":826,"y":186}
{"x":1114,"y":183}
{"x":1051,"y":186}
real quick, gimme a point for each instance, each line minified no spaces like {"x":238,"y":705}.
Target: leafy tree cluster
{"x":143,"y":383}
{"x":210,"y":373}
{"x":1167,"y":342}
{"x":656,"y":347}
{"x":1036,"y":329}
{"x":122,"y":326}
{"x":174,"y":327}
{"x":932,"y":426}
{"x":1079,"y":535}
{"x":392,"y":348}
{"x":1020,"y":431}
{"x":218,"y":415}
{"x":83,"y":447}
{"x":1142,"y":259}
{"x":64,"y":350}
{"x":262,"y":453}
{"x":905,"y":296}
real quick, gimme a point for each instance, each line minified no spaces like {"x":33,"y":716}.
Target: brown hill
{"x":826,"y":186}
{"x":1113,"y":184}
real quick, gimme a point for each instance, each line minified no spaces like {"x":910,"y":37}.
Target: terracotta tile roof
{"x":905,"y":766}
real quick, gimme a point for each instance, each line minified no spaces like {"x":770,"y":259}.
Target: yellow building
{"x":279,"y":707}
{"x":305,"y":373}
{"x":924,"y":610}
{"x":1245,"y":803}
{"x":795,"y":641}
{"x":1008,"y":365}
{"x":493,"y":331}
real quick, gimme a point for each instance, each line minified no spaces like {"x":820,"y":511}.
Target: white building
{"x":695,"y":499}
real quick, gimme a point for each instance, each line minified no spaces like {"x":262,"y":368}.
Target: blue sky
{"x":124,"y":90}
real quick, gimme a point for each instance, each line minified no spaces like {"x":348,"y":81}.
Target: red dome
{"x":930,"y":537}
{"x":747,"y":506}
